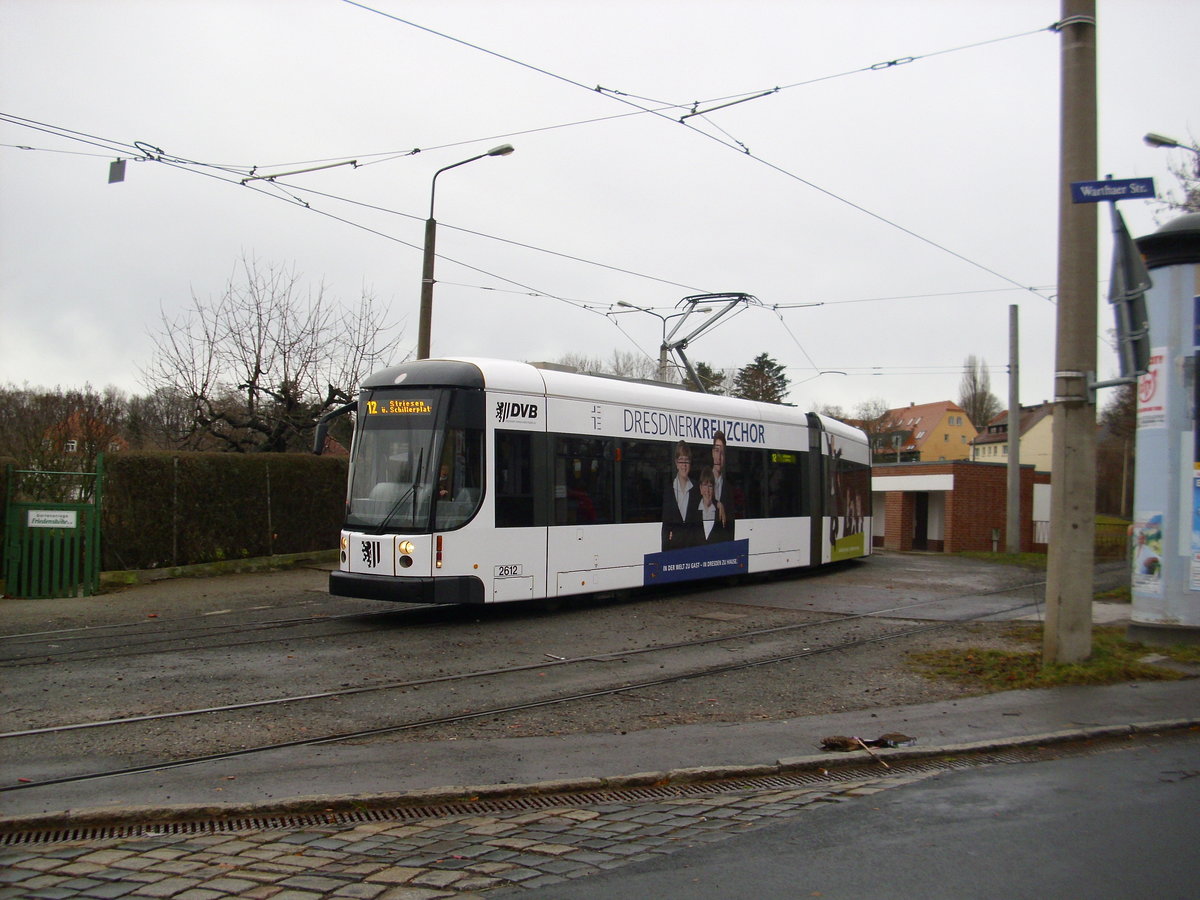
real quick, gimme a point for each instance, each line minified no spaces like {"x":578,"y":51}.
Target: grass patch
{"x":1113,"y":660}
{"x":1116,"y":595}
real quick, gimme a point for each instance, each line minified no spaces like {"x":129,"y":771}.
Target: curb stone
{"x":332,"y":804}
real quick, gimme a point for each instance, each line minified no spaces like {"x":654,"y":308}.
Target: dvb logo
{"x":506,"y":409}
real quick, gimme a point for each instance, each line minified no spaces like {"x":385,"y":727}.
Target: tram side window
{"x":583,"y":481}
{"x":744,"y":472}
{"x":645,"y":470}
{"x":784,"y":483}
{"x":513,"y":480}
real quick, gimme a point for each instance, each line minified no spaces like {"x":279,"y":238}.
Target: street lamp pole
{"x":664,"y":366}
{"x":426,"y":320}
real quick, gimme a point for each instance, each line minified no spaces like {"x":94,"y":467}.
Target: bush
{"x":177,"y":509}
{"x":5,"y":462}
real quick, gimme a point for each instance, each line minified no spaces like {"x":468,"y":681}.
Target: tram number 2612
{"x":510,"y":569}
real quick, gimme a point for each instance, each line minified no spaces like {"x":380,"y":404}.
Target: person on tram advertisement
{"x":725,"y":489}
{"x":849,"y":494}
{"x":681,"y":502}
{"x":715,"y":526}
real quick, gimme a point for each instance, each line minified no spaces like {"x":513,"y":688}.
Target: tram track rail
{"x":508,"y":709}
{"x":552,"y":662}
{"x":161,"y":642}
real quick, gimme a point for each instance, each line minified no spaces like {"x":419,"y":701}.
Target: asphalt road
{"x":1116,"y":825}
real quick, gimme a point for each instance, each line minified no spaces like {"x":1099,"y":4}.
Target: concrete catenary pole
{"x":1068,"y":634}
{"x":1012,"y":537}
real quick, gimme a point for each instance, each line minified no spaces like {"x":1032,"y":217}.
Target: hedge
{"x":177,"y":509}
{"x":5,"y":462}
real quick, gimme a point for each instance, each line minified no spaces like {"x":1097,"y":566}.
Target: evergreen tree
{"x":763,"y":379}
{"x":716,"y":381}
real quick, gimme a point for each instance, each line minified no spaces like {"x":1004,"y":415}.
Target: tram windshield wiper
{"x":411,"y":492}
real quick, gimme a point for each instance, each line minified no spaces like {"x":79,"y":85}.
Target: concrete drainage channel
{"x":814,"y":772}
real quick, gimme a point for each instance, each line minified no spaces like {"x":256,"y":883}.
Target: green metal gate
{"x":52,"y":547}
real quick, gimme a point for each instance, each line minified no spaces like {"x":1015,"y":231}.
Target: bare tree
{"x":60,"y":431}
{"x":833,"y":410}
{"x":1116,"y":442}
{"x":262,"y":362}
{"x":581,"y":362}
{"x":164,"y":420}
{"x":975,"y":393}
{"x":622,"y":363}
{"x":632,"y":365}
{"x":1187,"y":171}
{"x":873,"y":416}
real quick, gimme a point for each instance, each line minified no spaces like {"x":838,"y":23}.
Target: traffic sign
{"x":1112,"y":189}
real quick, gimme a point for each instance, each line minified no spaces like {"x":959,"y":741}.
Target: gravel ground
{"x":876,"y":676}
{"x":399,"y":646}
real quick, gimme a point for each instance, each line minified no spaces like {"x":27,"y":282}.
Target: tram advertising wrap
{"x":478,"y":481}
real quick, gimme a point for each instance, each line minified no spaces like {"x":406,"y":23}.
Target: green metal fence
{"x":52,"y":533}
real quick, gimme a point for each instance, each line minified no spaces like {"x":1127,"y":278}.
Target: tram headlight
{"x":406,"y":547}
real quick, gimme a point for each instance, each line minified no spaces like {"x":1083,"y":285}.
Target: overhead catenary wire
{"x":269,"y":186}
{"x":150,"y":152}
{"x":595,"y":306}
{"x":159,"y":156}
{"x":742,"y":149}
{"x":722,"y":101}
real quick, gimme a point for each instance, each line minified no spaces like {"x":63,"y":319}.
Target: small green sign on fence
{"x":52,"y":547}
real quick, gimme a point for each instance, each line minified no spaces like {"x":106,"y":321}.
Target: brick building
{"x":954,"y":505}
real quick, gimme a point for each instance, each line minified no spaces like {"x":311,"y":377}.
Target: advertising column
{"x":1165,"y":534}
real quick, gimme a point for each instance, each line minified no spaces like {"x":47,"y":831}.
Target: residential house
{"x":80,"y":435}
{"x":1036,"y":441}
{"x":924,"y":432}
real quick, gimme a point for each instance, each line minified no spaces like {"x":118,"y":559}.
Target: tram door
{"x":521,"y":509}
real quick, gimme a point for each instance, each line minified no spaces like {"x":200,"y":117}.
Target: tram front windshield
{"x":417,"y":462}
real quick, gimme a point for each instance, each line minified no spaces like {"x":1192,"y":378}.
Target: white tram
{"x":481,"y":481}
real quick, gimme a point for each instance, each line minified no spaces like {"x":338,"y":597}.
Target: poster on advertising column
{"x":1194,"y":573}
{"x":1152,"y":393}
{"x":1146,"y":535}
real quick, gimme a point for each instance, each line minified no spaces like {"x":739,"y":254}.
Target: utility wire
{"x":801,"y":304}
{"x":623,"y":98}
{"x":289,"y":196}
{"x":501,"y":240}
{"x":273,"y":187}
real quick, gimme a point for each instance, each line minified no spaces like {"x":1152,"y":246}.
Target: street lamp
{"x":426,"y":319}
{"x":1159,"y":140}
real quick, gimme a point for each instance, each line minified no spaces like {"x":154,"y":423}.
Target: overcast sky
{"x":911,"y":204}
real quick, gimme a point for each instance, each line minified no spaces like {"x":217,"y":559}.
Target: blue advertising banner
{"x":704,"y":561}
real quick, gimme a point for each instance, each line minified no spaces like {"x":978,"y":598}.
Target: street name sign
{"x":1112,"y":189}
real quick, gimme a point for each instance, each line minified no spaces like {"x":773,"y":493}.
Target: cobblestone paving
{"x":453,"y":856}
